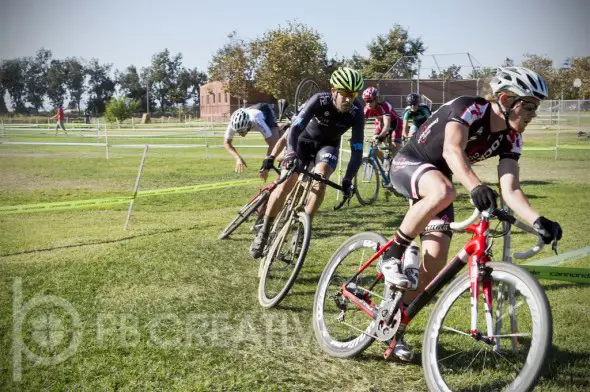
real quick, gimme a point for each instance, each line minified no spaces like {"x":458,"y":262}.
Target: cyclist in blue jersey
{"x":314,"y":138}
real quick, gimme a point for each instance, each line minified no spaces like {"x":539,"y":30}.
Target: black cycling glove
{"x":483,"y":197}
{"x":290,"y":160}
{"x":268,"y":163}
{"x":548,"y":229}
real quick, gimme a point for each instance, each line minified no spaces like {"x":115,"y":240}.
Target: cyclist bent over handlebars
{"x":314,"y":136}
{"x":461,"y":132}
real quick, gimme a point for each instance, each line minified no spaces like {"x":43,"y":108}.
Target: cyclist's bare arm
{"x":280,"y":145}
{"x":405,"y":129}
{"x":277,"y":152}
{"x":508,"y":174}
{"x":454,"y":154}
{"x":240,"y":163}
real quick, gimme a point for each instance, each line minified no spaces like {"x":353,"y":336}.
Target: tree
{"x":35,"y":80}
{"x":450,"y":73}
{"x":394,"y":48}
{"x":3,"y":108}
{"x":563,"y":79}
{"x":56,"y":83}
{"x":14,"y":81}
{"x":163,"y":76}
{"x":581,"y":70}
{"x":484,"y":72}
{"x":179,"y":92}
{"x":508,"y":62}
{"x":101,"y":85}
{"x":197,"y":79}
{"x":120,"y":109}
{"x":131,"y":85}
{"x":284,"y":56}
{"x":75,"y":73}
{"x":233,"y":66}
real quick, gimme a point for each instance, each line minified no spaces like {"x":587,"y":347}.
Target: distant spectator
{"x":86,"y":116}
{"x":60,"y":120}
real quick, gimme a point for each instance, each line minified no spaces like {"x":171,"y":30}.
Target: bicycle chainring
{"x":385,"y":331}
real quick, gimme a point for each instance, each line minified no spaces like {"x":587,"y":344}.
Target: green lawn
{"x":166,"y":306}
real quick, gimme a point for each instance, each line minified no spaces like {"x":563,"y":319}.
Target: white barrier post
{"x":141,"y":163}
{"x":106,"y":142}
{"x":558,"y":126}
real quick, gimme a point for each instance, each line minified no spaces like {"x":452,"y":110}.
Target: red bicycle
{"x":256,"y":204}
{"x":354,"y":306}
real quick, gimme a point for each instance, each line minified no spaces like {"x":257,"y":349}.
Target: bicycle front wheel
{"x":284,"y":260}
{"x":305,"y":90}
{"x":341,"y":328}
{"x":509,"y":360}
{"x":245,"y":212}
{"x":366,"y":182}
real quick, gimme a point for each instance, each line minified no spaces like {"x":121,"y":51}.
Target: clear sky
{"x":129,"y":32}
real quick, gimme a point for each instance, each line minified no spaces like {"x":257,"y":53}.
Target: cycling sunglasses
{"x":347,"y":94}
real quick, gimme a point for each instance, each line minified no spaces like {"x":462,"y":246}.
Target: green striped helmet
{"x":347,"y":79}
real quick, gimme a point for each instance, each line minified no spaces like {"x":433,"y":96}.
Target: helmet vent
{"x":532,"y":81}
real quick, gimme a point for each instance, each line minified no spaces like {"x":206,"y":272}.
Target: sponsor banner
{"x":68,"y":205}
{"x":577,"y":275}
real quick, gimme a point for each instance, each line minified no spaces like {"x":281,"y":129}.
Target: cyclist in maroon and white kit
{"x":387,"y":123}
{"x":461,"y":132}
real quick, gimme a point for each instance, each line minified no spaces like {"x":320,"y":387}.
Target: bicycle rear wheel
{"x":341,"y":328}
{"x":453,"y":360}
{"x":306,"y":88}
{"x":245,"y":212}
{"x":284,"y":260}
{"x":366,"y":182}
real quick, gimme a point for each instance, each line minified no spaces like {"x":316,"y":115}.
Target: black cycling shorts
{"x":311,"y":151}
{"x":405,"y":173}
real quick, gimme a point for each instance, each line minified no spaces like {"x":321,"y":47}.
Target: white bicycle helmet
{"x":240,"y":120}
{"x":521,"y":81}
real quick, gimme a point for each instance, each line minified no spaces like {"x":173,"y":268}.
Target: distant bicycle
{"x":372,"y":174}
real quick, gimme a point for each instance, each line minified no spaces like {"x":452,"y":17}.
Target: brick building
{"x":218,"y":105}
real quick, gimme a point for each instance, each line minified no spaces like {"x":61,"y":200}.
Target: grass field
{"x":166,"y":306}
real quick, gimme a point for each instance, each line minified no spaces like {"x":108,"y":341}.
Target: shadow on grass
{"x":566,"y":369}
{"x":101,"y":242}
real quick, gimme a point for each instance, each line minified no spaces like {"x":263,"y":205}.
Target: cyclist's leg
{"x":435,"y":249}
{"x":278,"y":196}
{"x":434,"y":192}
{"x":413,"y":129}
{"x":325,"y":164}
{"x":430,"y":189}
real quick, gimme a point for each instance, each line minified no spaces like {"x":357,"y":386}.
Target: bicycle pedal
{"x":387,"y":353}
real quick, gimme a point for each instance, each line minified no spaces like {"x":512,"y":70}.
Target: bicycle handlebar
{"x":505,"y":217}
{"x":344,"y":200}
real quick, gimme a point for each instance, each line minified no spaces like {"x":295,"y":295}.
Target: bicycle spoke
{"x":486,"y":362}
